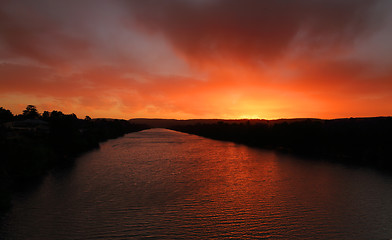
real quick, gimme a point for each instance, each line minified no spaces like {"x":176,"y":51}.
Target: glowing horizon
{"x":198,"y":59}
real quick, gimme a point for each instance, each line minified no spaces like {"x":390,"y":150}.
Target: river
{"x":162,"y":184}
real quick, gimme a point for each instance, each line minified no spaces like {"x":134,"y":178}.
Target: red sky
{"x":198,"y":58}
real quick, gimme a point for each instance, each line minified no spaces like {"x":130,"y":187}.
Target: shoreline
{"x":354,"y":142}
{"x":28,"y":154}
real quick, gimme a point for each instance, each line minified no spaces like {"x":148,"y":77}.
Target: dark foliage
{"x":30,"y":112}
{"x":31,"y":144}
{"x":5,"y":115}
{"x":359,"y":141}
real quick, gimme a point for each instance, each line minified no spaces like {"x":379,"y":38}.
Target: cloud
{"x":187,"y":58}
{"x":253,"y":30}
{"x":320,"y":51}
{"x":79,"y":51}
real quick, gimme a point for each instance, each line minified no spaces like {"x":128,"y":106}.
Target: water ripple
{"x":161,"y":184}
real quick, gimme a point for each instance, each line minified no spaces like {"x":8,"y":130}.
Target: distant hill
{"x":167,"y":123}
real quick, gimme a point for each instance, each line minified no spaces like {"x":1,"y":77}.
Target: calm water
{"x":162,"y":184}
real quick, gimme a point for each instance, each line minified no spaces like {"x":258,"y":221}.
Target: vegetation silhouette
{"x":5,"y":115}
{"x":33,"y":143}
{"x":30,"y":112}
{"x":356,"y":141}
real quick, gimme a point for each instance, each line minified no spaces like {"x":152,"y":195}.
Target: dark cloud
{"x":253,"y":30}
{"x":28,"y":34}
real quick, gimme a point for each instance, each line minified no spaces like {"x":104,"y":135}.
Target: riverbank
{"x":355,"y":141}
{"x":30,"y":147}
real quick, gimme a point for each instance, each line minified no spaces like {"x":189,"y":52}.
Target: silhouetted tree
{"x":72,"y":116}
{"x":87,"y":118}
{"x":45,"y":115}
{"x":5,"y":115}
{"x":56,"y":115}
{"x":30,"y":112}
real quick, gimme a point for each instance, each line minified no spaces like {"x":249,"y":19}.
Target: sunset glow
{"x":198,"y":59}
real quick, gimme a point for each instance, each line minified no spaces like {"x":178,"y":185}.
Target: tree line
{"x":32,"y":143}
{"x":355,"y":141}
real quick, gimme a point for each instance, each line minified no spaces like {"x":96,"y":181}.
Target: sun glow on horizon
{"x":186,"y":61}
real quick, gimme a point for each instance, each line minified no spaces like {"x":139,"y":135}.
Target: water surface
{"x":162,"y":184}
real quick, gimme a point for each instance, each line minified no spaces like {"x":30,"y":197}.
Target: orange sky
{"x":198,"y":58}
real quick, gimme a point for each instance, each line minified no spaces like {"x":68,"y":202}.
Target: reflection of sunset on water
{"x":170,"y":185}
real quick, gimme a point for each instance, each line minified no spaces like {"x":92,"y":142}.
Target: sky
{"x":188,"y":59}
